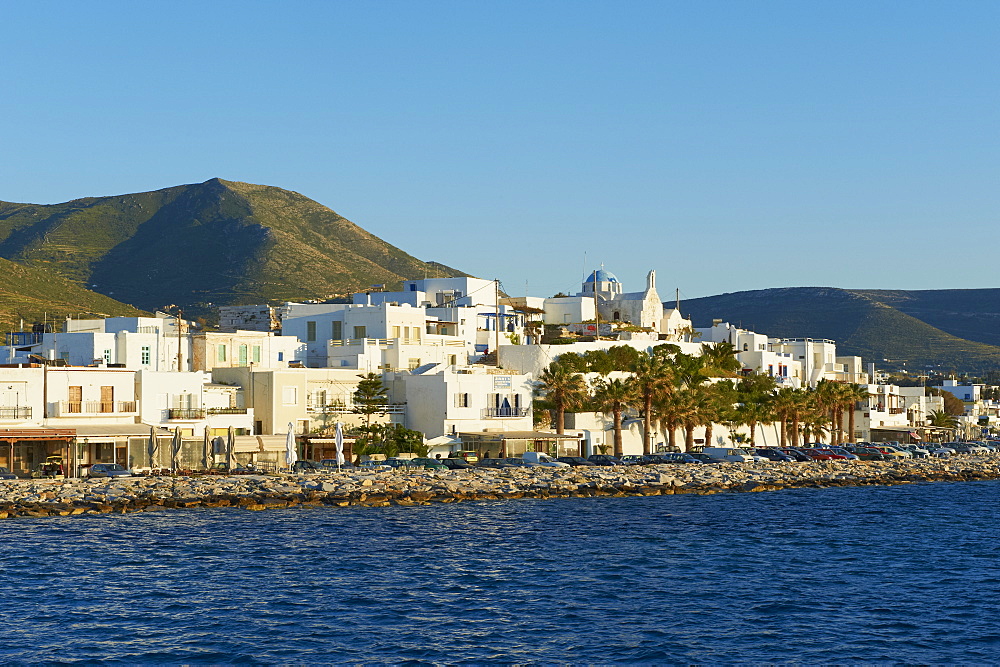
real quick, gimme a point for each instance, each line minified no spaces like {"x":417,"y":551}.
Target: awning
{"x":259,"y":443}
{"x":20,"y":434}
{"x":520,"y":435}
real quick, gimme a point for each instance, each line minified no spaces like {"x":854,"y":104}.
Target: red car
{"x":823,"y":455}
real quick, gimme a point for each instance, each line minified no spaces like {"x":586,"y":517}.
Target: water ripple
{"x":871,"y":574}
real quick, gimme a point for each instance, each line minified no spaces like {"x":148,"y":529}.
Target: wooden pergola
{"x":61,"y":438}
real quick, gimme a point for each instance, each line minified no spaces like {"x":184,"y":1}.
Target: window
{"x":243,"y":355}
{"x":290,"y":395}
{"x":75,"y":403}
{"x":107,"y":356}
{"x":145,"y":355}
{"x":107,"y":399}
{"x":461,"y":400}
{"x":360,"y":332}
{"x":337,"y":330}
{"x":414,"y":364}
{"x":395,"y":332}
{"x":416,"y":333}
{"x":221,"y":352}
{"x":310,"y":331}
{"x":281,"y":356}
{"x":256,"y":354}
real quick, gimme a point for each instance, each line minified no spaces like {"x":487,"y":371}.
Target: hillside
{"x":32,"y":295}
{"x":203,"y":245}
{"x":973,"y":314}
{"x":862,"y":326}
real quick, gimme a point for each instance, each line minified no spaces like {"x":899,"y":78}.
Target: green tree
{"x":370,"y":400}
{"x":652,"y":377}
{"x":563,"y":389}
{"x":614,"y":397}
{"x":720,"y":359}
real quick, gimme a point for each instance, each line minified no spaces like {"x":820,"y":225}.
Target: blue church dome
{"x":602,"y":277}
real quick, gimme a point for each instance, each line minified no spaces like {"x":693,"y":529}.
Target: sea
{"x":900,"y":574}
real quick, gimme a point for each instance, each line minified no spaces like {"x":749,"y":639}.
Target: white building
{"x":445,"y":400}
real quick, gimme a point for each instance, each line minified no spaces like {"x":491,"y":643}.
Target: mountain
{"x":34,"y":295}
{"x":873,"y":324}
{"x":204,"y":245}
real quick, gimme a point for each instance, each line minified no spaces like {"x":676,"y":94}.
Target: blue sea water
{"x":875,"y":574}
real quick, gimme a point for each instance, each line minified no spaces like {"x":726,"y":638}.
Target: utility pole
{"x":180,"y":355}
{"x":597,"y":314}
{"x":496,"y":294}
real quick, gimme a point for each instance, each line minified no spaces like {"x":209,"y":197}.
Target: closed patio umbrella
{"x":205,"y":448}
{"x":151,"y":446}
{"x":290,"y":456}
{"x":338,"y":440}
{"x":230,"y":447}
{"x":175,"y":448}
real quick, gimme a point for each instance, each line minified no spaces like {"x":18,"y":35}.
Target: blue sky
{"x":728,"y":145}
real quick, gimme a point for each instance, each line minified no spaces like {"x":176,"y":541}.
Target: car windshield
{"x":113,"y":466}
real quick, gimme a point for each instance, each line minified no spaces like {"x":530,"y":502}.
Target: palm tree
{"x":789,"y":406}
{"x":564,"y":389}
{"x":720,"y":359}
{"x":942,"y":419}
{"x":653,"y":377}
{"x":754,"y":396}
{"x":614,"y":396}
{"x":855,"y":393}
{"x":667,"y":410}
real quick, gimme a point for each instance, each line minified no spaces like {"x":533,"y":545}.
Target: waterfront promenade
{"x":42,"y":498}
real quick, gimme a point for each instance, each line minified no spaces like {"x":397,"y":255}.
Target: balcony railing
{"x":227,"y":411}
{"x":339,"y":409}
{"x":23,"y":412}
{"x":505,"y":412}
{"x":186,"y":413}
{"x":96,"y":408}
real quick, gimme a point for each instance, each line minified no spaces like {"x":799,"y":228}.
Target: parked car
{"x":331,"y":464}
{"x":797,"y":454}
{"x":466,"y":455}
{"x":543,"y":459}
{"x":493,"y":463}
{"x":517,"y":462}
{"x":5,"y":473}
{"x":868,"y":454}
{"x":635,"y":460}
{"x":428,"y":463}
{"x":821,"y":455}
{"x":454,"y":463}
{"x":108,"y":470}
{"x":605,"y":460}
{"x":307,"y":467}
{"x":841,"y":451}
{"x":374,"y":465}
{"x":773,"y":455}
{"x":575,"y":460}
{"x":675,"y":458}
{"x":706,"y":458}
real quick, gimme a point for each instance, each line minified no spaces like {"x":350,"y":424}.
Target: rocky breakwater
{"x":43,"y":498}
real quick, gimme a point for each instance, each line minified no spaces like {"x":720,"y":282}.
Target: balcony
{"x":500,"y":413}
{"x":341,"y":409}
{"x":189,"y":414}
{"x":70,"y":408}
{"x":227,"y":411}
{"x":23,"y":412}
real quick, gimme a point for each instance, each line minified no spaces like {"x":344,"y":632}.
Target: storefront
{"x":25,"y":450}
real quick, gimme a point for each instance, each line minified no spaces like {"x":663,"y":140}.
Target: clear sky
{"x":728,"y":145}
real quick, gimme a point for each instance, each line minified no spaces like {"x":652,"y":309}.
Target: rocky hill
{"x":894,"y":329}
{"x":204,"y":245}
{"x":33,"y":295}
